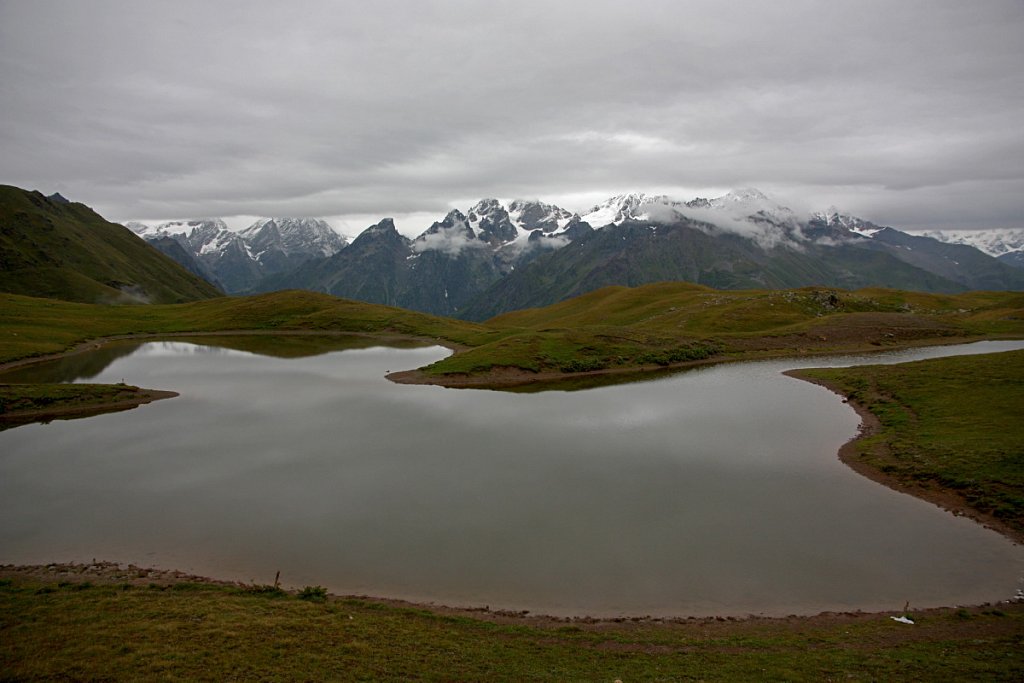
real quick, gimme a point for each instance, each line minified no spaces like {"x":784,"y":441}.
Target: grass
{"x":22,"y":404}
{"x":68,"y":251}
{"x":32,"y":327}
{"x":947,"y":424}
{"x":202,"y":632}
{"x":622,"y":328}
{"x":616,"y":328}
{"x":953,"y":422}
{"x":14,"y":398}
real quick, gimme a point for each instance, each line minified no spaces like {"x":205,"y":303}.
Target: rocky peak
{"x":637,"y":206}
{"x":310,"y":236}
{"x":535,"y":215}
{"x":491,"y":222}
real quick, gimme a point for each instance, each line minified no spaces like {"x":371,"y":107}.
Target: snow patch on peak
{"x":750,"y":202}
{"x":745,"y":194}
{"x":637,"y":206}
{"x":530,"y":215}
{"x":994,"y":242}
{"x":487,"y":207}
{"x":449,"y":236}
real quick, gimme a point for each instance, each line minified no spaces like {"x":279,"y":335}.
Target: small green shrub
{"x":265,"y":590}
{"x":313,"y":593}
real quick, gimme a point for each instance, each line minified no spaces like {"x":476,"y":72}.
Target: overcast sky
{"x":910,"y":114}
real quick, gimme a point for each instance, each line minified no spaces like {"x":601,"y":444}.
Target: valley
{"x":581,"y":308}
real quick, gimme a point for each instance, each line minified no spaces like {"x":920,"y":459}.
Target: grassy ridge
{"x":81,"y":631}
{"x":669,"y":323}
{"x":32,"y":327}
{"x":612,"y":329}
{"x":67,"y":251}
{"x":949,"y":425}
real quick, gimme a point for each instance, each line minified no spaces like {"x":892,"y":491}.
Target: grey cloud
{"x":153,"y":110}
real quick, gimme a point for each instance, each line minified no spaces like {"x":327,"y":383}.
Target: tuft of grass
{"x":313,"y":593}
{"x":265,"y":590}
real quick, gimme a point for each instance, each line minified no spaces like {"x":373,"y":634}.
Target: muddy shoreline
{"x":945,"y":499}
{"x":109,"y":572}
{"x":16,"y":418}
{"x":98,"y":572}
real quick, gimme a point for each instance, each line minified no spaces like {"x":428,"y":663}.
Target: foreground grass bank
{"x":90,"y":627}
{"x":949,"y":430}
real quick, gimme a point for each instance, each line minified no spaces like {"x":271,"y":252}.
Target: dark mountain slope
{"x":957,"y":262}
{"x":65,"y":250}
{"x":636,"y":253}
{"x":168,"y":246}
{"x":369,"y":269}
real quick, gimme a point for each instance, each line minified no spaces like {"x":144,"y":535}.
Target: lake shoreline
{"x":870,"y":425}
{"x":513,"y":377}
{"x":19,"y":417}
{"x":100,"y":572}
{"x":865,"y":431}
{"x":510,"y":377}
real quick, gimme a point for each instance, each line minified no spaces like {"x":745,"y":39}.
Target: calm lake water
{"x":715,"y":491}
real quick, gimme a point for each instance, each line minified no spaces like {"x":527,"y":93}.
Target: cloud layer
{"x":910,"y":113}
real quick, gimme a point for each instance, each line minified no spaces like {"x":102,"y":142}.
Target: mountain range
{"x":1005,"y":245}
{"x":498,"y":257}
{"x":238,"y":261}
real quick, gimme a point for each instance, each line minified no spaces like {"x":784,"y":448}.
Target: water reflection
{"x":716,"y":490}
{"x":76,"y":366}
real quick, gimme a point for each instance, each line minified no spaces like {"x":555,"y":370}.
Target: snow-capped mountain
{"x":744,"y":204}
{"x":239,"y":260}
{"x":445,"y":266}
{"x":843,"y":223}
{"x":510,"y":233}
{"x":1007,"y":245}
{"x":293,"y":236}
{"x":495,"y":257}
{"x":634,"y":206}
{"x":535,"y":215}
{"x":744,"y":239}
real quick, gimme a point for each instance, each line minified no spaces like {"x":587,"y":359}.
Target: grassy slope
{"x":81,"y":631}
{"x":220,"y":633}
{"x":947,"y":425}
{"x":611,"y":329}
{"x":619,"y":327}
{"x":32,"y":327}
{"x":67,"y":251}
{"x":21,"y":404}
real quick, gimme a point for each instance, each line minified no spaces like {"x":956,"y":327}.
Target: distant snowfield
{"x":994,"y":242}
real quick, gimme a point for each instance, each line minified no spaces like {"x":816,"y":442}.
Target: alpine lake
{"x":715,"y":491}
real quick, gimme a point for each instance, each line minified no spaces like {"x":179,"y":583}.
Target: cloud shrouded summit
{"x":910,"y":113}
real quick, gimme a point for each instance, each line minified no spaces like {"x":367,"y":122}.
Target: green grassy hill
{"x":33,"y":327}
{"x":616,"y":329}
{"x":59,"y":250}
{"x":622,"y":328}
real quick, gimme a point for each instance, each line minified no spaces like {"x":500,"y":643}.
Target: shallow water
{"x":713,"y":491}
